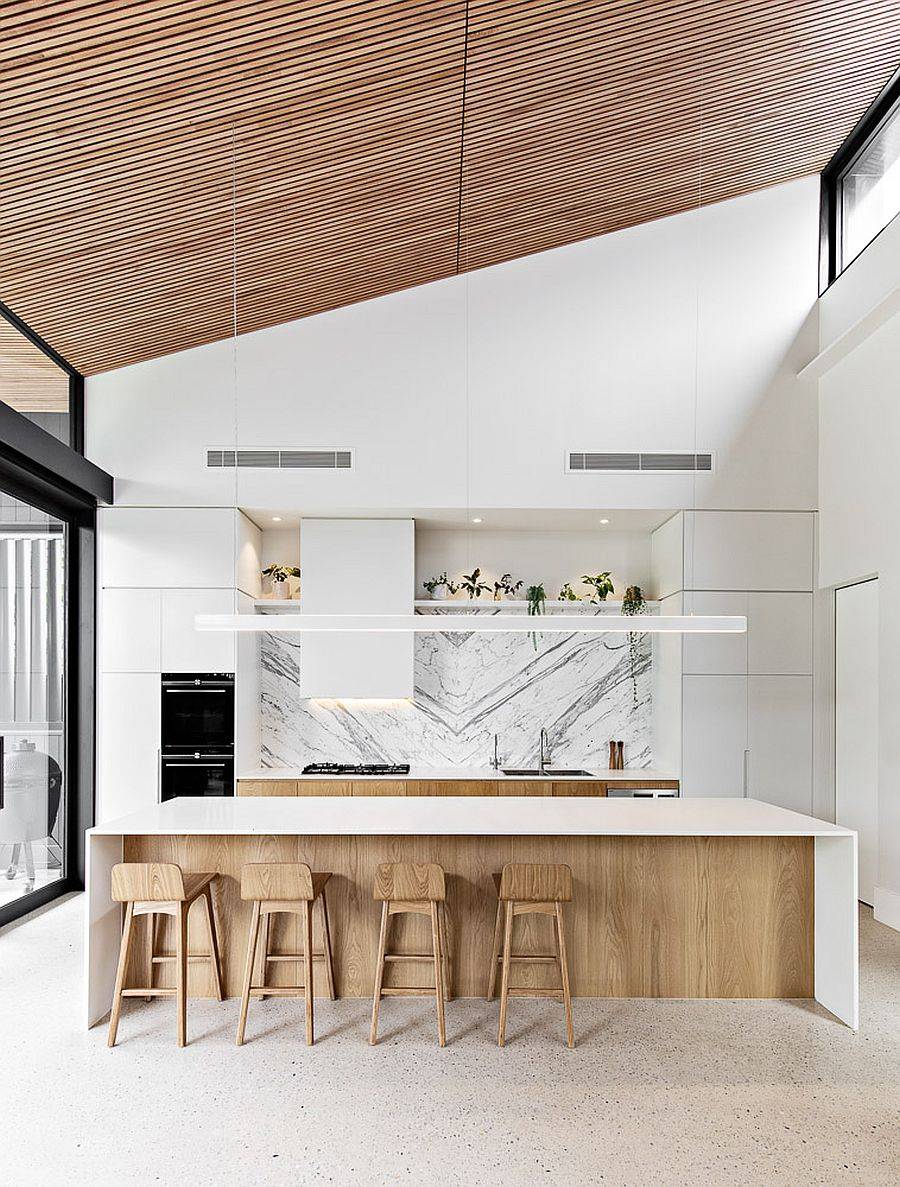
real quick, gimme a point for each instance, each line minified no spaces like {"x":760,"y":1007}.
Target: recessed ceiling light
{"x":276,"y":519}
{"x":604,"y":521}
{"x":477,"y":519}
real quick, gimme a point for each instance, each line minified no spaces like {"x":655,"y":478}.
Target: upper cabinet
{"x":174,"y":548}
{"x":749,"y":550}
{"x":347,"y":562}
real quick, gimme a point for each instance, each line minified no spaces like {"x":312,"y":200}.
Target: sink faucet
{"x":545,"y":751}
{"x":495,"y":761}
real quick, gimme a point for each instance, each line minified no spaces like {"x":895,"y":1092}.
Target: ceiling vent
{"x":280,"y":459}
{"x":638,"y":463}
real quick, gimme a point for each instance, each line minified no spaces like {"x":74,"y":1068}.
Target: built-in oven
{"x":197,"y":734}
{"x":196,"y":773}
{"x":197,"y":710}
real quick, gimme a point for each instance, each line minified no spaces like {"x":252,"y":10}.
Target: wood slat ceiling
{"x":323,"y":152}
{"x":29,"y":381}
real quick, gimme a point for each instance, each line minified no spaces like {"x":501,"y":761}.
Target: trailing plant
{"x":473,"y":585}
{"x":504,"y":585}
{"x":601,"y":584}
{"x":536,"y":598}
{"x":634,"y":602}
{"x":434,"y":583}
{"x":281,"y":572}
{"x":568,"y":594}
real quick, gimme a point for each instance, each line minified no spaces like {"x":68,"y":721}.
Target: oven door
{"x":196,"y":774}
{"x":197,"y":713}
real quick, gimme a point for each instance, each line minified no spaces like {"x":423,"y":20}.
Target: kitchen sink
{"x":548,"y":772}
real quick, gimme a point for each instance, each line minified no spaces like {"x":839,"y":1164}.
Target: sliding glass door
{"x":34,"y":789}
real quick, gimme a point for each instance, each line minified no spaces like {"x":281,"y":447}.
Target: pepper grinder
{"x":613,"y":756}
{"x":620,"y":756}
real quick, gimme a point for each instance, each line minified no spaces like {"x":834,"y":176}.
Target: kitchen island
{"x":695,"y":898}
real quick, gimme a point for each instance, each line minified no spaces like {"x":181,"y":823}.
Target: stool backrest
{"x":269,"y":881}
{"x":536,"y":883}
{"x":412,"y":882}
{"x":147,"y":881}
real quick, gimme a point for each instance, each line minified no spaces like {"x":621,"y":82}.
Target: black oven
{"x":197,"y":735}
{"x":196,"y":773}
{"x":197,"y":710}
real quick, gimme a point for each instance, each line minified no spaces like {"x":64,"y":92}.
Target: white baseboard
{"x":887,"y":907}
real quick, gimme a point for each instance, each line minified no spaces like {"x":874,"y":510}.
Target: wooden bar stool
{"x":531,"y":890}
{"x":418,"y":889}
{"x":158,"y":888}
{"x":289,"y":888}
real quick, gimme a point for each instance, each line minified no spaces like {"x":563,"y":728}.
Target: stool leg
{"x":150,"y":938}
{"x":564,"y":971}
{"x":326,"y":947}
{"x":181,"y":969}
{"x":213,"y":944}
{"x":265,"y":925}
{"x":445,"y":954}
{"x":248,"y":972}
{"x":379,"y":973}
{"x":120,"y":976}
{"x":495,"y":950}
{"x":438,"y":973}
{"x":308,"y":970}
{"x":504,"y":981}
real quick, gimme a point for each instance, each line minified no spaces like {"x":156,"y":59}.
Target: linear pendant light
{"x":620,"y":624}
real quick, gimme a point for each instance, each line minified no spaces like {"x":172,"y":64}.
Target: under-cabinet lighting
{"x":276,"y":519}
{"x":477,"y":519}
{"x":439,"y":624}
{"x":604,"y":521}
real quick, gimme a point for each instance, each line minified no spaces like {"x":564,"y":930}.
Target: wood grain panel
{"x":650,"y":917}
{"x":579,"y":787}
{"x":268,"y":787}
{"x":373,"y":146}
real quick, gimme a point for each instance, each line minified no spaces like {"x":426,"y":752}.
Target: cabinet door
{"x":715,"y":655}
{"x":184,"y":648}
{"x":129,"y":630}
{"x":766,"y":550}
{"x":780,"y":739}
{"x":714,"y":735}
{"x":780,"y":638}
{"x":174,"y":548}
{"x":127,"y":743}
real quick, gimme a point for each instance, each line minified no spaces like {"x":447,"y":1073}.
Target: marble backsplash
{"x":467,"y":688}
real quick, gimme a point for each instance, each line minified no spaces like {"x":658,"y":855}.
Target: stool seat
{"x":530,"y":889}
{"x":289,"y":888}
{"x":162,"y":888}
{"x":418,"y":889}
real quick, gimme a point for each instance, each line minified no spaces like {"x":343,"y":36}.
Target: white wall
{"x":859,"y":494}
{"x":588,"y":346}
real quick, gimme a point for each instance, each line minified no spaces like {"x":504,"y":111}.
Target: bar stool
{"x":531,"y":890}
{"x":417,"y":889}
{"x":160,"y":888}
{"x":284,"y":888}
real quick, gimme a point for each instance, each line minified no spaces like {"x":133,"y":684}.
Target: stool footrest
{"x":148,"y":993}
{"x":281,"y":957}
{"x":407,"y":990}
{"x":277,"y":990}
{"x":521,"y":992}
{"x":163,"y":958}
{"x":539,"y":959}
{"x":429,"y":956}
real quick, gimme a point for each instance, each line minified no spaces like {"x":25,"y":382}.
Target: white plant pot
{"x":281,"y":590}
{"x":440,"y":593}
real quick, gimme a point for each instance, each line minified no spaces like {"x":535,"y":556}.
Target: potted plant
{"x":473,"y":585}
{"x":280,"y":575}
{"x":505,"y":588}
{"x":440,"y":588}
{"x":568,"y":594}
{"x":535,"y":596}
{"x":601,"y":584}
{"x":634,"y":603}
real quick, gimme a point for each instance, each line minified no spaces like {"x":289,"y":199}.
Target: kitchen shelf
{"x":294,"y":605}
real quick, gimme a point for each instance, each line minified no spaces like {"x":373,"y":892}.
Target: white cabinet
{"x":715,"y":655}
{"x":334,"y":552}
{"x":749,"y":550}
{"x":780,"y":723}
{"x":184,"y":648}
{"x":714,"y":739}
{"x":128,"y":739}
{"x":175,"y":548}
{"x":129,"y":630}
{"x":780,"y":634}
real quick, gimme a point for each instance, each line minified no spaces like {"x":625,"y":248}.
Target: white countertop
{"x":470,"y":774}
{"x":467,"y":816}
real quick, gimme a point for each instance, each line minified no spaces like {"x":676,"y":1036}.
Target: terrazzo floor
{"x":656,"y":1092}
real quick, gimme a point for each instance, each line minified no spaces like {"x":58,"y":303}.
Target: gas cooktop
{"x":351,"y":768}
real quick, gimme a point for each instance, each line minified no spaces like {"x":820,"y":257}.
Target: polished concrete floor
{"x":656,"y":1092}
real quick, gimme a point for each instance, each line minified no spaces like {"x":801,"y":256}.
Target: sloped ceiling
{"x":159,"y":159}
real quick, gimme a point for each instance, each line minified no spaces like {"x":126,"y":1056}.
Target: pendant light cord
{"x":698,"y":246}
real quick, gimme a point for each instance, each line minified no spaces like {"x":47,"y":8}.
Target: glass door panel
{"x":33,"y":608}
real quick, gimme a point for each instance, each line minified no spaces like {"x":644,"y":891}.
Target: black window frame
{"x":862,"y":135}
{"x":76,"y":379}
{"x":39,"y":469}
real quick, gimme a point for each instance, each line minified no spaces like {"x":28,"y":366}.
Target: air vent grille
{"x":280,"y":459}
{"x":637,"y":463}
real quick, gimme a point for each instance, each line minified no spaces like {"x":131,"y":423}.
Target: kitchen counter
{"x":681,"y":898}
{"x":467,"y":774}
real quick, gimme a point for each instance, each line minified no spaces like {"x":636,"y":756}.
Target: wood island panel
{"x":434,"y":787}
{"x":651,"y":916}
